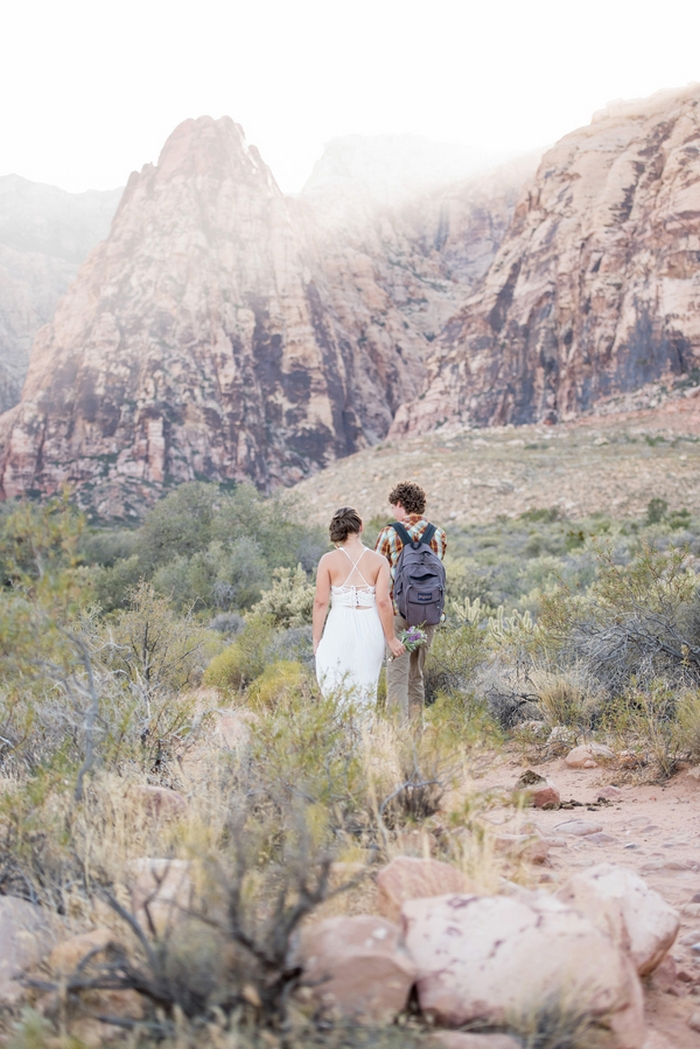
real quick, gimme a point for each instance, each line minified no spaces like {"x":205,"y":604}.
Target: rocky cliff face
{"x":596,"y":286}
{"x":45,"y":233}
{"x":223,"y":331}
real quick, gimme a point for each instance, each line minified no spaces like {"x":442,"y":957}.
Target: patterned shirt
{"x":390,"y":544}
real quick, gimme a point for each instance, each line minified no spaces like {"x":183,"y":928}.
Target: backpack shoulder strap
{"x":402,"y":533}
{"x":428,"y":534}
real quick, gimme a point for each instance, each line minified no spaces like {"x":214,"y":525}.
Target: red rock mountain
{"x":222,"y":332}
{"x":595,"y":289}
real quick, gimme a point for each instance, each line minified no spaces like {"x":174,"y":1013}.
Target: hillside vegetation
{"x":123,"y":652}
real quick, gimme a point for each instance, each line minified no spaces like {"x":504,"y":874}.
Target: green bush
{"x":243,"y":661}
{"x":276,"y":680}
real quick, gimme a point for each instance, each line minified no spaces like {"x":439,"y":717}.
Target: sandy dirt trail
{"x":653,"y":830}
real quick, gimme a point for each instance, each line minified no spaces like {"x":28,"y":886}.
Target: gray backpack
{"x":419,"y":579}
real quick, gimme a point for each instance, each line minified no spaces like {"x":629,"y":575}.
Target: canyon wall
{"x":595,"y":289}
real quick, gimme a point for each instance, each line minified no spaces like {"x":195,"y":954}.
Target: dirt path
{"x":652,"y":830}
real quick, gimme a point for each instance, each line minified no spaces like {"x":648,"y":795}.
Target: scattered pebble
{"x":579,"y":828}
{"x":609,"y":793}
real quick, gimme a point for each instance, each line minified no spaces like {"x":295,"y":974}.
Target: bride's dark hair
{"x":344,"y":522}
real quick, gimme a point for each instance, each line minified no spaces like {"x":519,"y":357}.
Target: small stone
{"x":67,"y":955}
{"x":694,"y":1021}
{"x":609,"y":793}
{"x":690,"y":938}
{"x":356,"y":967}
{"x":557,"y":841}
{"x":588,"y":756}
{"x":578,"y":828}
{"x":601,"y":838}
{"x":538,"y":791}
{"x":546,"y":797}
{"x":581,"y":758}
{"x":665,"y":974}
{"x":694,"y":773}
{"x":528,"y":847}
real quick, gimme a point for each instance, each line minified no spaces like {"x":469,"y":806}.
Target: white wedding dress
{"x":350,"y":654}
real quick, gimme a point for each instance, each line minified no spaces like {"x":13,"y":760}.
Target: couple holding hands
{"x":365,"y":620}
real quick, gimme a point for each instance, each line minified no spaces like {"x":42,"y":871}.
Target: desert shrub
{"x":656,"y":511}
{"x":462,"y":719}
{"x":458,"y":647}
{"x":178,"y":525}
{"x":275,"y":682}
{"x":105,"y":546}
{"x":295,"y":643}
{"x":640,"y":621}
{"x":290,"y":600}
{"x":565,"y":697}
{"x":155,"y":648}
{"x":111,"y":585}
{"x":228,"y":623}
{"x":644,"y":722}
{"x":688,"y":723}
{"x":244,"y":660}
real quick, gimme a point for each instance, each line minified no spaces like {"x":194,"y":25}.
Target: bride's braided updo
{"x":344,"y":522}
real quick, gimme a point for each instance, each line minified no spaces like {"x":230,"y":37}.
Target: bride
{"x":349,"y":654}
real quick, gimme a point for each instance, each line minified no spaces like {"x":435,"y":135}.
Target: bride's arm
{"x":386,"y":609}
{"x":321,"y":599}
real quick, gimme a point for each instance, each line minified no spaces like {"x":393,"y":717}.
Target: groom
{"x":405,"y":686}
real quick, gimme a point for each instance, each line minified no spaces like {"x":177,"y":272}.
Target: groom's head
{"x":408,"y":495}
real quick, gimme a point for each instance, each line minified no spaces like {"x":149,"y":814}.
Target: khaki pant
{"x":405,"y":685}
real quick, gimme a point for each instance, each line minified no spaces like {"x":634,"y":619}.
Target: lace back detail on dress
{"x":354,"y":596}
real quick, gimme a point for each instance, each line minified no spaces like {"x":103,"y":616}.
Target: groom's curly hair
{"x":343,"y":523}
{"x":410,"y":495}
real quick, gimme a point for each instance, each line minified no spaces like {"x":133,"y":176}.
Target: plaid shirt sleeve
{"x":389,"y":545}
{"x":438,"y":544}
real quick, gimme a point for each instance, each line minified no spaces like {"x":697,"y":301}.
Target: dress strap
{"x":354,"y":566}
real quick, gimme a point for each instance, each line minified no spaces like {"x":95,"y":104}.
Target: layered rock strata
{"x":220,"y":332}
{"x":596,"y":286}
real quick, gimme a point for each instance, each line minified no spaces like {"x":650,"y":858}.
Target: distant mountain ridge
{"x":222,"y":331}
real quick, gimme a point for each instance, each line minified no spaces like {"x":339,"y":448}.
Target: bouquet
{"x":413,"y":638}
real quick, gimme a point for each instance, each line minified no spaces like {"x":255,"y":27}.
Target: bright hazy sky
{"x":90,"y":89}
